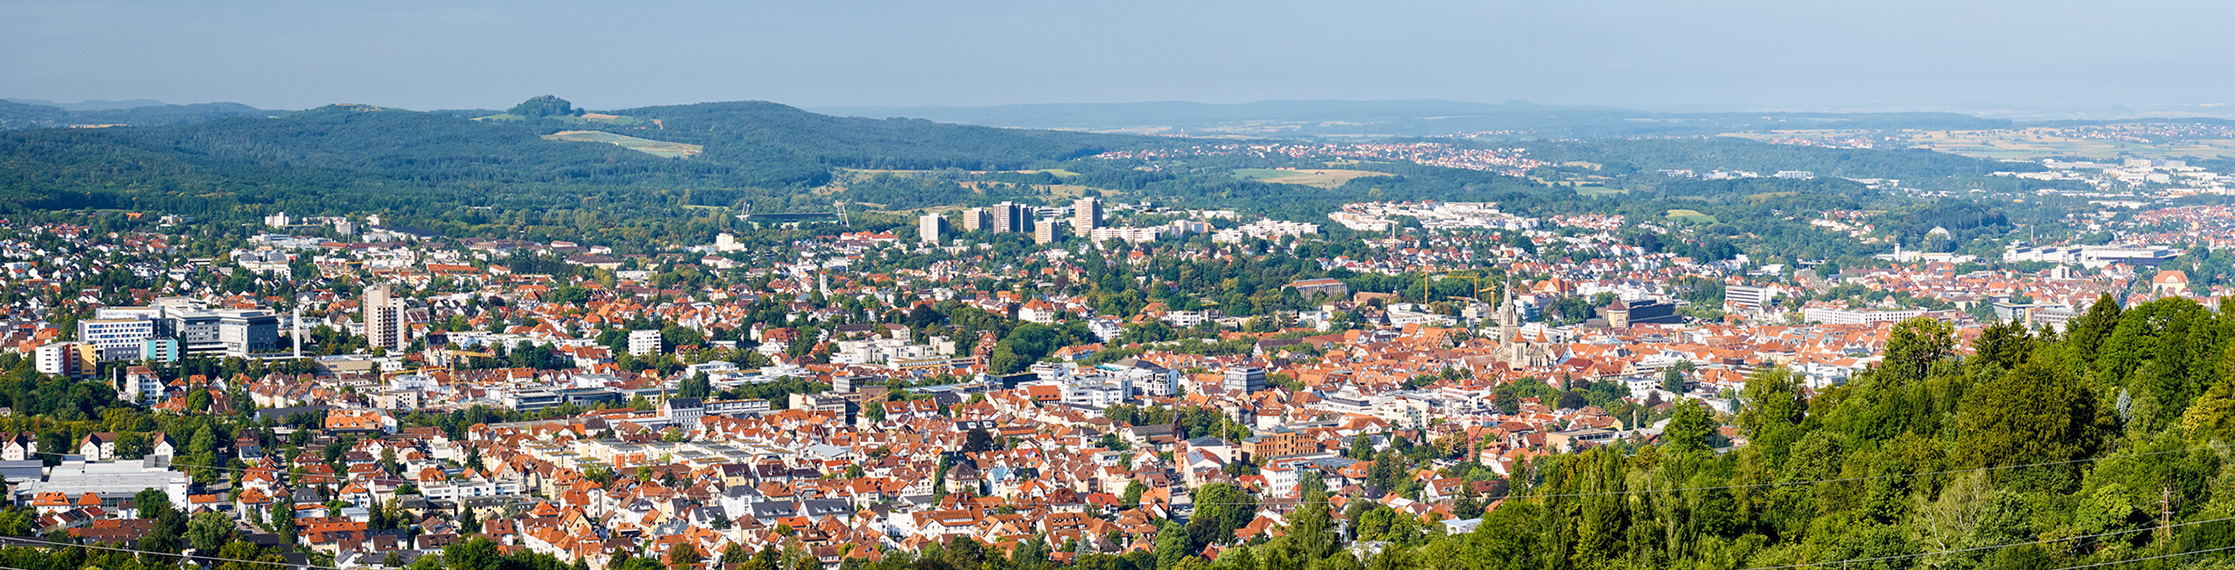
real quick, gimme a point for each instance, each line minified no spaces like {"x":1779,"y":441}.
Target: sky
{"x":1982,"y":55}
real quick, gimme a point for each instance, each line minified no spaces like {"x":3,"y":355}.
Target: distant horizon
{"x":1989,"y":56}
{"x":2073,"y":112}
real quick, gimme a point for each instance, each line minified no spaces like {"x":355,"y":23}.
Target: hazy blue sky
{"x":1753,"y":54}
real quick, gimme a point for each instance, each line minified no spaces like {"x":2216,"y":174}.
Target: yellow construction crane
{"x":451,"y":356}
{"x":1473,"y":278}
{"x":385,"y":376}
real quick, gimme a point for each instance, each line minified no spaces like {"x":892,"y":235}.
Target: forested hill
{"x":22,"y":115}
{"x":744,"y":129}
{"x":346,"y":156}
{"x":313,"y":159}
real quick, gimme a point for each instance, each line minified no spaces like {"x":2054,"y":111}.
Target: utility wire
{"x":19,"y":541}
{"x":340,"y":478}
{"x":2176,"y":554}
{"x":44,"y":544}
{"x":308,"y":477}
{"x":1998,"y":546}
{"x":1869,"y":478}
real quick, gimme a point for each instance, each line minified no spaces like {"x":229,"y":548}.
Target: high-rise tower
{"x":931,"y":228}
{"x":384,"y":319}
{"x":1086,"y":214}
{"x":1011,"y":217}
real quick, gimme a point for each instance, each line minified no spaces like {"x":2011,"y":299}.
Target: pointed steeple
{"x":1508,"y":316}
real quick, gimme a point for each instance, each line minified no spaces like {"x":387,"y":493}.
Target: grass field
{"x":646,"y":146}
{"x":1060,"y":173}
{"x":1593,"y":191}
{"x":585,"y":119}
{"x":1325,"y":178}
{"x":1690,"y":216}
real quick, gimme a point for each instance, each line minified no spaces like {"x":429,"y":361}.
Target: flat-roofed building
{"x":1244,"y":380}
{"x":72,"y":359}
{"x":1277,"y":443}
{"x":113,"y":482}
{"x":117,"y":339}
{"x":1047,"y":232}
{"x":384,"y":319}
{"x":1086,"y":215}
{"x":1331,"y":288}
{"x":931,"y":228}
{"x":644,"y":343}
{"x":1011,"y":217}
{"x":1748,"y":297}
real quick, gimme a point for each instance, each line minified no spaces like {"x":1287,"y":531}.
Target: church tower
{"x":1509,"y":316}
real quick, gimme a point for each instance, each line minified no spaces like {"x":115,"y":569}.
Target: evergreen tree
{"x":1691,"y":429}
{"x":468,"y":523}
{"x":697,"y":386}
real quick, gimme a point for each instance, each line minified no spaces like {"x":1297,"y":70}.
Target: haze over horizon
{"x":1987,"y":57}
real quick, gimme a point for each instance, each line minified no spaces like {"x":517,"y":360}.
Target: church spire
{"x":1508,"y":316}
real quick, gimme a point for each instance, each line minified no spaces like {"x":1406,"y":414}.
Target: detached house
{"x":98,"y":446}
{"x":18,"y":446}
{"x":163,"y":446}
{"x":1037,"y":311}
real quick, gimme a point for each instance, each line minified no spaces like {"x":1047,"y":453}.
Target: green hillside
{"x":347,"y":157}
{"x":21,"y":115}
{"x":746,"y":129}
{"x":330,"y":158}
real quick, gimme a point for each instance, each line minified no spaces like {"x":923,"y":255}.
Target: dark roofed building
{"x":1331,"y":288}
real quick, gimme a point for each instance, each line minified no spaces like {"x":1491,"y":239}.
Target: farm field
{"x":583,"y":119}
{"x":646,"y":146}
{"x":1320,"y":178}
{"x":1061,"y":173}
{"x":1691,"y":216}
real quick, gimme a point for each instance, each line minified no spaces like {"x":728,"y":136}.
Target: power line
{"x":24,"y":542}
{"x":1869,"y":478}
{"x":340,"y":478}
{"x":1979,"y":548}
{"x":44,"y":544}
{"x":2176,"y":554}
{"x":337,"y":478}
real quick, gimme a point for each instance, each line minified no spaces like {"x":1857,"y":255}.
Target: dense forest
{"x":744,"y":130}
{"x":321,"y":160}
{"x":354,"y":158}
{"x":18,"y":115}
